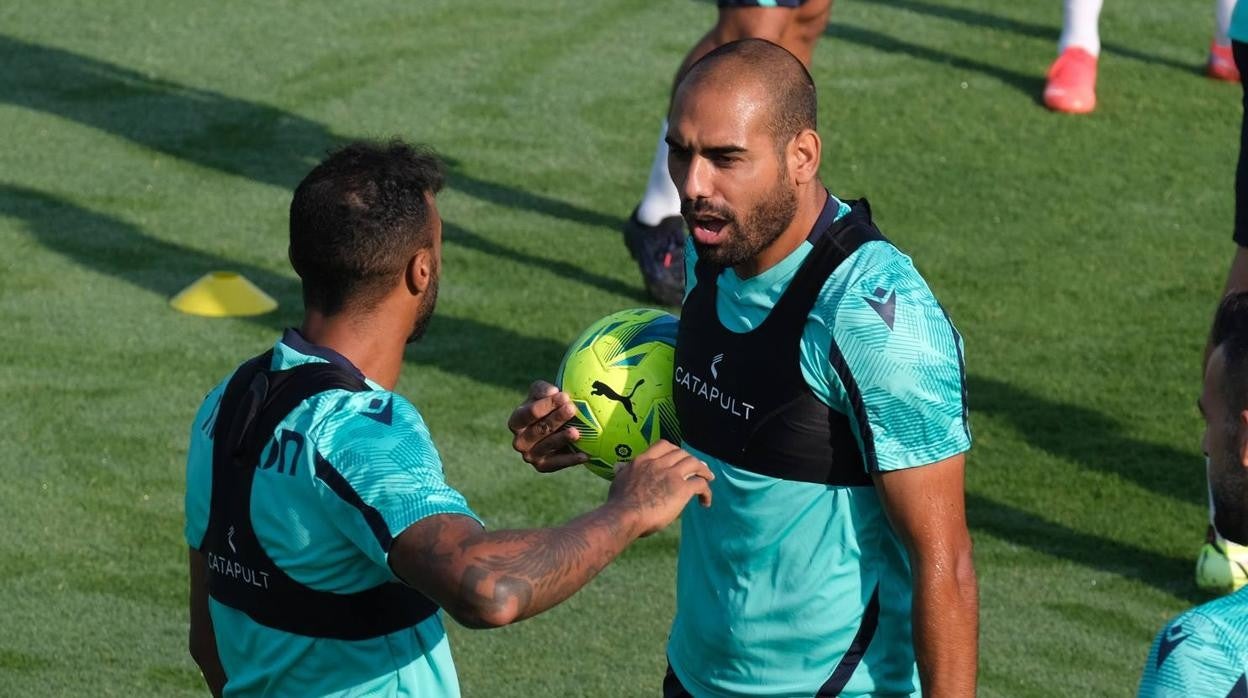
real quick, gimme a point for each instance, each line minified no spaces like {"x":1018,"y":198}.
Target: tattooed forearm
{"x":492,"y":596}
{"x":542,"y":557}
{"x":526,"y":572}
{"x":491,"y":578}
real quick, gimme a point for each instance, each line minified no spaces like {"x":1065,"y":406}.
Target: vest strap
{"x":241,"y":574}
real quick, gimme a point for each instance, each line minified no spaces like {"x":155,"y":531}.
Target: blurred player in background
{"x":819,"y":377}
{"x":324,"y":539}
{"x":1204,"y":652}
{"x":1071,"y":85}
{"x":655,"y":232}
{"x":1223,"y":565}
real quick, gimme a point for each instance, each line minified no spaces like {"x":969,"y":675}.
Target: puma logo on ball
{"x":600,"y":388}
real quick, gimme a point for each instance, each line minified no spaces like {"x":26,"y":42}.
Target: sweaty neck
{"x":374,"y":348}
{"x":810,"y":203}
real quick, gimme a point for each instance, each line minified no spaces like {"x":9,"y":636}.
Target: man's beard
{"x":751,"y":235}
{"x":1230,"y":509}
{"x":425,"y":313}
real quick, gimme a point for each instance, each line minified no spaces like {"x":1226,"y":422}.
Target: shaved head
{"x":784,"y":84}
{"x":744,"y":154}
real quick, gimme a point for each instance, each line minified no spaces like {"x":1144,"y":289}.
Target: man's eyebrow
{"x":721,"y":150}
{"x":714,"y":151}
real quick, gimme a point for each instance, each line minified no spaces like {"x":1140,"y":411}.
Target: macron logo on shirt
{"x":380,"y":410}
{"x":886,"y":308}
{"x":1172,"y":639}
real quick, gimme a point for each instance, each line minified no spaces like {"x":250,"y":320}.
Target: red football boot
{"x":1071,"y":86}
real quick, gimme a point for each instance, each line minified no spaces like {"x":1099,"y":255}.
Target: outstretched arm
{"x":926,"y":506}
{"x":493,"y":578}
{"x":202,"y":640}
{"x":487,"y":579}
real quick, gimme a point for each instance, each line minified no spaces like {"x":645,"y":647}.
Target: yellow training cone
{"x":223,"y":294}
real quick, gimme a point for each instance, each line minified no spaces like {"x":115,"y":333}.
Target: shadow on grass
{"x":222,"y":133}
{"x":461,"y":346}
{"x":979,"y":18}
{"x":234,"y":136}
{"x":1090,"y":439}
{"x":1031,"y":85}
{"x":456,"y":235}
{"x":1168,"y":574}
{"x":521,"y":200}
{"x":1096,"y":442}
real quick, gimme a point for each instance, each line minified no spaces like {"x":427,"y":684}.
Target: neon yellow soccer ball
{"x":1220,"y":566}
{"x":619,"y":376}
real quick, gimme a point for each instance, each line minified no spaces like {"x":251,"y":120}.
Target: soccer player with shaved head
{"x":1204,"y":652}
{"x":824,"y":384}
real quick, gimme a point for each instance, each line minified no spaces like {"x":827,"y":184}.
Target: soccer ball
{"x":1220,"y":567}
{"x":619,"y":376}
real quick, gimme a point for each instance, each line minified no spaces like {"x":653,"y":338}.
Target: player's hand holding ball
{"x":538,"y":428}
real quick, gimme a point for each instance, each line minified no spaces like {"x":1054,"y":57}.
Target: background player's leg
{"x":1221,"y":64}
{"x":806,"y":26}
{"x":655,"y":232}
{"x":1080,"y":26}
{"x":661,"y":199}
{"x":1071,"y":84}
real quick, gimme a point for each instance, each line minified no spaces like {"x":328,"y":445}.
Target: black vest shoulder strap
{"x":272,"y":395}
{"x":240,"y":572}
{"x":832,"y":246}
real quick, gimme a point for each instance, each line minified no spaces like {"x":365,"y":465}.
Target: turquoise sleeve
{"x":199,"y":469}
{"x":1239,"y":22}
{"x":893,"y":363}
{"x":1193,"y":656}
{"x":377,"y":470}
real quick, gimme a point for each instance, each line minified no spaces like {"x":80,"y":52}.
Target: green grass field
{"x":146,"y":143}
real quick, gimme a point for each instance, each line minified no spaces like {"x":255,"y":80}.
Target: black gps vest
{"x":241,"y":575}
{"x":741,"y":397}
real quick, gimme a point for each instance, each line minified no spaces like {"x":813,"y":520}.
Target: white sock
{"x":1222,"y":21}
{"x":1079,"y":26}
{"x":661,"y":199}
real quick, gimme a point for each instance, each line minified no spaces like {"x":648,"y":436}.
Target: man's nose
{"x":697,"y":184}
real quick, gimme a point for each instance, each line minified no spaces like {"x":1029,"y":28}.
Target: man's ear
{"x":419,"y":271}
{"x":1241,"y":447}
{"x":803,"y":155}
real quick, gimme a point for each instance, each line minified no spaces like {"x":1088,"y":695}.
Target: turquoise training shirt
{"x":1239,"y":22}
{"x":775,"y":578}
{"x":378,"y":442}
{"x":1202,"y":652}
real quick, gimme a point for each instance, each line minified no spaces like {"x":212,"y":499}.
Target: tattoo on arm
{"x":506,"y":590}
{"x":492,"y":578}
{"x":542,"y":559}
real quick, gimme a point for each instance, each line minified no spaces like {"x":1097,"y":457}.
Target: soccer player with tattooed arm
{"x":324,"y":538}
